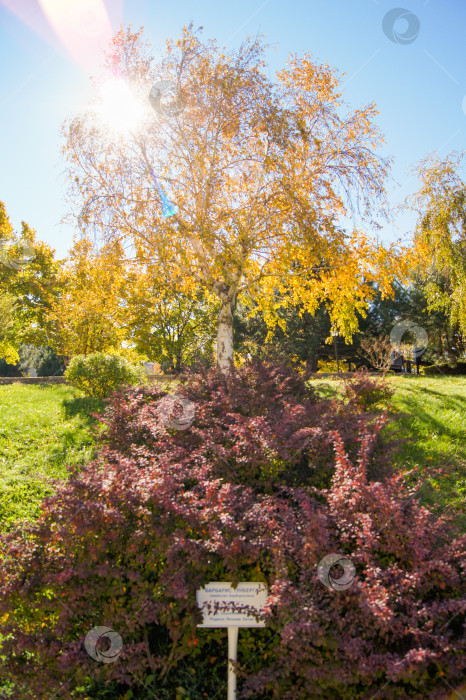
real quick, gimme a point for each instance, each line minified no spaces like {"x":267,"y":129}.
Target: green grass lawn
{"x":42,"y":429}
{"x":432,"y":419}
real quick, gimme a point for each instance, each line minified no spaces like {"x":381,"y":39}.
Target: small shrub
{"x":100,"y":374}
{"x":366,"y":392}
{"x":378,"y":351}
{"x":327,"y":366}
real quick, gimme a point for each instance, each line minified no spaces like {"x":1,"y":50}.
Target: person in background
{"x":418,"y":351}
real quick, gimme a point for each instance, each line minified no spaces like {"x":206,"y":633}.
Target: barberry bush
{"x":366,"y":392}
{"x":128,"y":540}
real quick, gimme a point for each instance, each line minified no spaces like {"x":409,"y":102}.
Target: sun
{"x":119,"y":108}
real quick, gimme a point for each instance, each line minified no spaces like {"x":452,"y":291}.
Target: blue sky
{"x":419,"y":87}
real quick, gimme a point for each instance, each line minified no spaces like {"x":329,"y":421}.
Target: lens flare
{"x":83,"y":27}
{"x":168,"y":208}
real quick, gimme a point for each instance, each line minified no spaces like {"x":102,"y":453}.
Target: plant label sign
{"x":225,"y":606}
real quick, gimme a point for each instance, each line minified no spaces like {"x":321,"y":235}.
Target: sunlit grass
{"x":42,"y":429}
{"x":431,"y":414}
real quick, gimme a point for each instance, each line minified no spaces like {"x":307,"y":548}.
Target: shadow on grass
{"x":458,"y":398}
{"x":324,"y":389}
{"x":83,"y":406}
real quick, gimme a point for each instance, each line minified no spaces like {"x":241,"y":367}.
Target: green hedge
{"x":460,"y":368}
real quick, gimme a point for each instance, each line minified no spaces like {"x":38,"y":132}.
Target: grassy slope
{"x":42,"y":429}
{"x":432,"y":413}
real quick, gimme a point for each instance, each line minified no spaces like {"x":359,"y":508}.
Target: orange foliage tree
{"x":264,"y":174}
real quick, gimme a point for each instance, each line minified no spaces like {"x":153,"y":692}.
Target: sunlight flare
{"x":119,"y":108}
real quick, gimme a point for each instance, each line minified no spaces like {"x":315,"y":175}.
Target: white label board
{"x":225,"y":606}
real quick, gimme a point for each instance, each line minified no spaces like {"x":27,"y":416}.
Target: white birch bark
{"x":225,"y":361}
{"x":225,"y":338}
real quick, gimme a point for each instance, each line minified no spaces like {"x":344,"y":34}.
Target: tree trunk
{"x":225,"y":327}
{"x":225,"y":338}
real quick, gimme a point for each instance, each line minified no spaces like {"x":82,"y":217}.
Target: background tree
{"x":88,"y":315}
{"x":440,"y":235}
{"x":299,"y":337}
{"x":42,"y":359}
{"x":411,"y":302}
{"x":303,"y":338}
{"x":172,"y":327}
{"x":262,"y":173}
{"x":32,"y":278}
{"x":8,"y":328}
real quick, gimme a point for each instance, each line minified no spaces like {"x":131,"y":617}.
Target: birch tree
{"x":263,"y":172}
